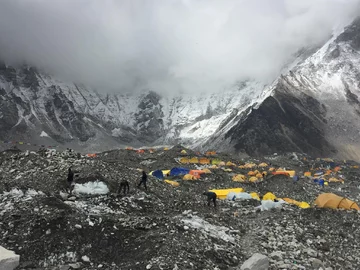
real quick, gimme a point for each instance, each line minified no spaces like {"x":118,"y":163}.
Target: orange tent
{"x":204,"y":161}
{"x":210,"y":153}
{"x":251,"y":173}
{"x":140,"y":151}
{"x":91,"y":155}
{"x":333,"y":201}
{"x":337,"y":168}
{"x":129,"y":148}
{"x":196,"y":173}
{"x":281,"y":173}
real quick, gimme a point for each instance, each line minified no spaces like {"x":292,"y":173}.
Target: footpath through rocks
{"x":171,"y":227}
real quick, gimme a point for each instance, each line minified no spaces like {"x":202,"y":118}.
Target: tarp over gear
{"x":239,"y":178}
{"x":204,"y":161}
{"x":189,"y":177}
{"x":173,"y":183}
{"x":222,"y":193}
{"x":333,"y":201}
{"x":179,"y":171}
{"x":269,"y":197}
{"x":302,"y":205}
{"x":196,"y":173}
{"x":158,"y":174}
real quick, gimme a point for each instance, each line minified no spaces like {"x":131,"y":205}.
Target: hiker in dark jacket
{"x":143,"y":180}
{"x":211,"y":196}
{"x":70,"y":180}
{"x":124,"y":184}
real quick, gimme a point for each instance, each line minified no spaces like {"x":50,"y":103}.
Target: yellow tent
{"x":241,"y":167}
{"x":214,"y":167}
{"x":271,"y":169}
{"x":189,"y":177}
{"x":265,"y":173}
{"x":215,"y":161}
{"x":253,"y":179}
{"x":221,"y":163}
{"x":269,"y":196}
{"x":222,"y":193}
{"x":259,"y":175}
{"x":183,"y":152}
{"x":254,"y":195}
{"x":194,"y":160}
{"x":227,"y":170}
{"x":263,"y":165}
{"x":251,"y":173}
{"x":184,"y":160}
{"x":166,"y":148}
{"x":333,"y":201}
{"x":206,"y":170}
{"x":173,"y":183}
{"x":229,"y":163}
{"x":249,"y":165}
{"x":307,"y":174}
{"x":239,"y":178}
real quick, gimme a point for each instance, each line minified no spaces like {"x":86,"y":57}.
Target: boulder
{"x":8,"y":259}
{"x":256,"y":262}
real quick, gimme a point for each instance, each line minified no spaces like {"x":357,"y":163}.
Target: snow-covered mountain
{"x":312,"y":107}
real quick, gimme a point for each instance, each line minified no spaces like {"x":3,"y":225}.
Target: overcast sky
{"x":165,"y":45}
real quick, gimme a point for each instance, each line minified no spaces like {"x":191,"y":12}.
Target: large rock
{"x":256,"y":262}
{"x":8,"y":259}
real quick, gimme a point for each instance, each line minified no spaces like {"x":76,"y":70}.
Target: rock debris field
{"x":171,"y":227}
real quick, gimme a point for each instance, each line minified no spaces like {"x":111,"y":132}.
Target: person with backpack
{"x":124,"y":184}
{"x":211,"y":196}
{"x":143,"y":180}
{"x":70,"y":180}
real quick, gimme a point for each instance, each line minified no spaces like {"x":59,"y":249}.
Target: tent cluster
{"x":325,"y":176}
{"x":178,"y":173}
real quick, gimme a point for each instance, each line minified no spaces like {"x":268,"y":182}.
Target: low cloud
{"x":173,"y":45}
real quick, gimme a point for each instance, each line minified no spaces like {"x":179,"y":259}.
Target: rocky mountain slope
{"x":168,"y":227}
{"x":313,"y":108}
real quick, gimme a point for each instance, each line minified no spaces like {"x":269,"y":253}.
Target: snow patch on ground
{"x":96,"y":187}
{"x":205,"y":227}
{"x":44,"y":134}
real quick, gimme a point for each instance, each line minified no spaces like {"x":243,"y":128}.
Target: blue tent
{"x":179,"y":171}
{"x":158,"y":174}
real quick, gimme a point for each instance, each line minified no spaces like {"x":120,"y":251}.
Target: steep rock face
{"x":282,"y":123}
